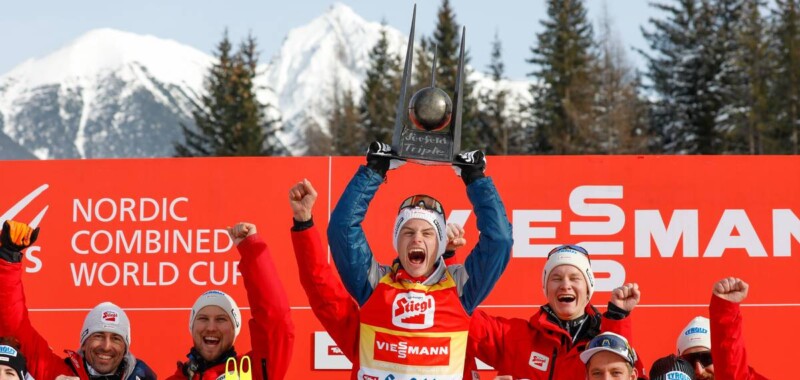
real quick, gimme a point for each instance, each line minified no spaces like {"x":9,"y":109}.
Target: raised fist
{"x":731,"y":289}
{"x":626,"y":297}
{"x":301,"y":198}
{"x":240,"y":231}
{"x":470,"y":166}
{"x":455,"y":237}
{"x":15,"y":237}
{"x":381,"y":158}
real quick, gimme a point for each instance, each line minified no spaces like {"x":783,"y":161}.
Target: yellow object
{"x":242,"y":374}
{"x":20,"y":233}
{"x":238,"y":373}
{"x":231,"y":375}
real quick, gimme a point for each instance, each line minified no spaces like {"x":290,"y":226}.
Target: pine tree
{"x":423,"y":60}
{"x":563,"y":97}
{"x":229,"y":119}
{"x":745,"y":116}
{"x":381,"y":90}
{"x":347,"y":135}
{"x":318,"y":143}
{"x":493,"y":126}
{"x":447,"y":39}
{"x":683,"y":72}
{"x":620,"y":115}
{"x":786,"y":90}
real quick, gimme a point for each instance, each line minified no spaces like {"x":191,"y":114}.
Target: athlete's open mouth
{"x":567,"y":298}
{"x":211,"y":340}
{"x":416,"y":256}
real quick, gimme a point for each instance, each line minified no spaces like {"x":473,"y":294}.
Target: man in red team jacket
{"x":549,"y":343}
{"x":215,"y":320}
{"x":105,"y":341}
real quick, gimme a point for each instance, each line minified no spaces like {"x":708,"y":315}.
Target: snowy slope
{"x":332,"y":47}
{"x":116,"y":94}
{"x":107,"y":94}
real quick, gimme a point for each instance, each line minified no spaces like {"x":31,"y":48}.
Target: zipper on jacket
{"x":264,"y":368}
{"x":553,"y":363}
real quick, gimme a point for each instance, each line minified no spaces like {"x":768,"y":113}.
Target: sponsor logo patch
{"x":335,"y":350}
{"x":675,"y":375}
{"x":110,"y":316}
{"x":696,"y":330}
{"x":539,"y":361}
{"x":8,"y":351}
{"x":413,"y":310}
{"x":418,"y":351}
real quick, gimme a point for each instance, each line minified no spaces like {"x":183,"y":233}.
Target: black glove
{"x":380,"y":158}
{"x":470,"y":166}
{"x":15,"y":237}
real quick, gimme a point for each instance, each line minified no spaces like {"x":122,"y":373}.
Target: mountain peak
{"x":103,"y":50}
{"x":341,"y":11}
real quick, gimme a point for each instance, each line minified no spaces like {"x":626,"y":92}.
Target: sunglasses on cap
{"x":572,"y":247}
{"x":616,"y":344}
{"x":704,"y":358}
{"x":422,"y":201}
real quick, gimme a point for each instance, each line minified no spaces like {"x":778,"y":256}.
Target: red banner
{"x":149,"y":236}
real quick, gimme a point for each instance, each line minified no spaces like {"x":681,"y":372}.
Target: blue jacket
{"x":360,"y":272}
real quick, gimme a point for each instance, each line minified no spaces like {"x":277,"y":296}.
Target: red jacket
{"x":330,"y":301}
{"x":271,"y":327}
{"x":727,"y":342}
{"x":536,"y":348}
{"x":42,"y":362}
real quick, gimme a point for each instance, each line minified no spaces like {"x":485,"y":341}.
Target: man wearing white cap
{"x":105,"y":338}
{"x":548,"y":345}
{"x":694,"y":346}
{"x":720,"y":341}
{"x":215,"y":320}
{"x":415,"y":314}
{"x":608,"y":356}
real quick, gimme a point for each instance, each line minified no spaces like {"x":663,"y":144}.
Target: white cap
{"x":106,"y":317}
{"x":569,"y":256}
{"x":434,"y":218}
{"x":223,"y":301}
{"x":696,"y":334}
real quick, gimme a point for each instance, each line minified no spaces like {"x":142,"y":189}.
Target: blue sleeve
{"x":349,"y":246}
{"x":489,"y":258}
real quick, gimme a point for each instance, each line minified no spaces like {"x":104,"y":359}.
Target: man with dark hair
{"x":104,"y":349}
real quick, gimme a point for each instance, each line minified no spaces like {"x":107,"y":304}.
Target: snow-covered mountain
{"x":116,"y":94}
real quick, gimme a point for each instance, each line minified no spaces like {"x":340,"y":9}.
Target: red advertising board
{"x":149,"y":236}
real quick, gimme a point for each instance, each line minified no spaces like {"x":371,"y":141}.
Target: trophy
{"x":425,"y":130}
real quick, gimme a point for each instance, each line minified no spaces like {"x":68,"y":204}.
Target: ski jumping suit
{"x":271,"y":327}
{"x":410,"y":329}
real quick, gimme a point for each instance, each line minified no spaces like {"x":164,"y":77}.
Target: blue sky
{"x":35,"y":28}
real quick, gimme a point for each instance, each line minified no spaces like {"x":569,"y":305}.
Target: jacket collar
{"x":545,"y":319}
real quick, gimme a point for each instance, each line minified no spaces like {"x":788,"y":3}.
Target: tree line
{"x":721,"y":77}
